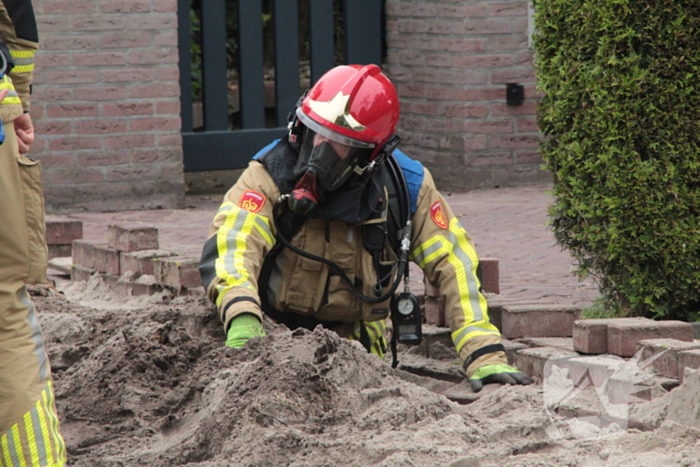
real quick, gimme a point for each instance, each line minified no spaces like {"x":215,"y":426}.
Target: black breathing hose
{"x":402,"y":262}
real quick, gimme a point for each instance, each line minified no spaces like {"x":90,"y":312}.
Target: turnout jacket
{"x":18,"y":30}
{"x":23,"y":251}
{"x":243,"y":232}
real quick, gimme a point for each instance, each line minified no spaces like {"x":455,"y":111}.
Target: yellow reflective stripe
{"x":461,"y":336}
{"x":473,"y":303}
{"x":29,"y":433}
{"x":375,"y":331}
{"x":18,"y":446}
{"x":50,"y":407}
{"x":465,"y":274}
{"x":10,"y":100}
{"x":23,"y":68}
{"x":12,"y":97}
{"x":262,"y":226}
{"x":24,"y":60}
{"x":231,"y":244}
{"x":5,"y":447}
{"x":428,"y":251}
{"x":48,"y":444}
{"x":22,"y":53}
{"x":32,"y":442}
{"x":376,"y":328}
{"x":459,"y":253}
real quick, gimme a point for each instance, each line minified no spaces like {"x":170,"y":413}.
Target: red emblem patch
{"x":437,"y":215}
{"x":252,"y":201}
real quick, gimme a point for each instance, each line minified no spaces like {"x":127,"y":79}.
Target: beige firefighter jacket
{"x":24,"y":244}
{"x":245,"y":232}
{"x":20,"y":36}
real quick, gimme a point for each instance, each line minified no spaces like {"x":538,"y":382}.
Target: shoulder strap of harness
{"x":413,"y":174}
{"x":403,"y":179}
{"x":399,"y":201}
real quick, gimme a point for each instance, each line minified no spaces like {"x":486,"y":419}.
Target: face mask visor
{"x":331,"y":156}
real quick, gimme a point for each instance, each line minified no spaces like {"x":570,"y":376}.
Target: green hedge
{"x":620,"y":111}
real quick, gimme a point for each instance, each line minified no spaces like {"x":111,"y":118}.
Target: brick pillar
{"x":450,"y":62}
{"x":106,"y":105}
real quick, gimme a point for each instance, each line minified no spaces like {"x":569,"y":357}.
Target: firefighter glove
{"x":498,"y":373}
{"x":244,"y":327}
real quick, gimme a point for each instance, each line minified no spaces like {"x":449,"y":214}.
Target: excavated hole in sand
{"x":148,"y":382}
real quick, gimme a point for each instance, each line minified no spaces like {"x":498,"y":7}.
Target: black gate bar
{"x":185,"y":63}
{"x":214,"y":84}
{"x":322,"y":42}
{"x":286,"y":58}
{"x":362,"y":26}
{"x":250,"y":46}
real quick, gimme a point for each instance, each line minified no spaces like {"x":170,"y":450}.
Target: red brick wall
{"x":106,"y":104}
{"x":450,"y":61}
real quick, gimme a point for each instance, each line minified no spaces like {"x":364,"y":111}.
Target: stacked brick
{"x":60,"y":233}
{"x":620,"y":336}
{"x":537,"y":334}
{"x":132,"y":263}
{"x":665,"y":348}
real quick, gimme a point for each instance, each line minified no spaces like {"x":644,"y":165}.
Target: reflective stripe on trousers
{"x":375,"y":330}
{"x":35,"y":441}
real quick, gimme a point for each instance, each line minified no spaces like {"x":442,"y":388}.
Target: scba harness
{"x":387,"y":200}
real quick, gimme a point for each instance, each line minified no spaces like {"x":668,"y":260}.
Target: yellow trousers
{"x":375,"y":331}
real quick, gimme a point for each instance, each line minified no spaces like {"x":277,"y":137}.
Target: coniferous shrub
{"x":620,"y":110}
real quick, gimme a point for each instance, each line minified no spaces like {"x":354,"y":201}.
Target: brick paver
{"x":508,"y":224}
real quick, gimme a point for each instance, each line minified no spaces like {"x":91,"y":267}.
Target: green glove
{"x":498,"y":373}
{"x":244,"y":327}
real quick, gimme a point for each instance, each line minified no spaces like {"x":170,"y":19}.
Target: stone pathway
{"x":509,"y":224}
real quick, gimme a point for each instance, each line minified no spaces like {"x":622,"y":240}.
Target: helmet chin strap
{"x":387,"y":149}
{"x":368,"y":168}
{"x":305,"y":197}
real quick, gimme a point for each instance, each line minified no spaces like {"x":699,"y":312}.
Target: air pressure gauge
{"x":406,"y":306}
{"x":407,"y":319}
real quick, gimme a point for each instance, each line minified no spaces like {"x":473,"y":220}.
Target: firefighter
{"x":29,"y":429}
{"x":319,"y":227}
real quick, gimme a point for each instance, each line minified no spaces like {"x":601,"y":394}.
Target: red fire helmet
{"x":356,"y":101}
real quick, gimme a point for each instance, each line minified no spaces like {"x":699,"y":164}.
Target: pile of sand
{"x":152,"y":384}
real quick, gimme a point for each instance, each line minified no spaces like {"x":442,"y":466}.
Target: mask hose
{"x":402,"y":263}
{"x":304,"y":198}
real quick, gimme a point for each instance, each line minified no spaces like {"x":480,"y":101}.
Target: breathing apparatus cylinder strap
{"x":400,"y":214}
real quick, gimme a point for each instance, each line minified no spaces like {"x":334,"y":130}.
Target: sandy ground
{"x":149,"y":382}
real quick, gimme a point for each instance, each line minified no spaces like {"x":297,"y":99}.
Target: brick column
{"x":450,"y":61}
{"x":106,"y":104}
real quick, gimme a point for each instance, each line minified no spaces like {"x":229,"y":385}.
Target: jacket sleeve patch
{"x":437,"y":215}
{"x":252,"y":201}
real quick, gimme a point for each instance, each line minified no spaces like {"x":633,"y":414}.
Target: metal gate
{"x":217,"y":147}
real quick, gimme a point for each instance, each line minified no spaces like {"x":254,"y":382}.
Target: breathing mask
{"x":326,"y":161}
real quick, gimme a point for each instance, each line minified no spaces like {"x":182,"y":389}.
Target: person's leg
{"x":29,"y":429}
{"x":29,"y":432}
{"x":371,"y":334}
